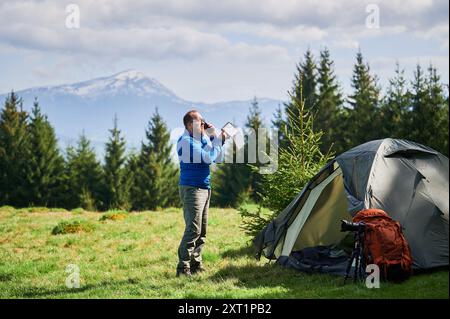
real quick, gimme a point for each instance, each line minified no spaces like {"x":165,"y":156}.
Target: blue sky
{"x":215,"y":50}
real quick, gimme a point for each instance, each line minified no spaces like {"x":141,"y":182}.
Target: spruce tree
{"x":297,"y":164}
{"x":14,"y":152}
{"x":130,"y":170}
{"x":445,"y":115}
{"x":395,"y":107}
{"x":305,"y":86}
{"x":279,"y":123}
{"x":254,"y":124}
{"x":115,"y":178}
{"x":418,"y":102}
{"x":364,"y":122}
{"x":45,"y":165}
{"x":329,"y":104}
{"x":85,"y":176}
{"x":421,"y":113}
{"x":308,"y":69}
{"x":231,"y":183}
{"x":429,"y":107}
{"x":444,"y":148}
{"x":240,"y":182}
{"x":155,"y":180}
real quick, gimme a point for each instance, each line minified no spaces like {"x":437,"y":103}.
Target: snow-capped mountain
{"x":130,"y":82}
{"x":90,"y":106}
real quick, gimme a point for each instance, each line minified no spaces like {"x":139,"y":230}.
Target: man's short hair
{"x":188,"y":117}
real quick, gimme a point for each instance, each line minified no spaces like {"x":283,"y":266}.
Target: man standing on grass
{"x":197,"y":148}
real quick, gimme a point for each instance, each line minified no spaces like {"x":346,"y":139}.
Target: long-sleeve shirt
{"x":195,"y":156}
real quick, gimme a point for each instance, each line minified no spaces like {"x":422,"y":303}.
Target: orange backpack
{"x":385,"y":245}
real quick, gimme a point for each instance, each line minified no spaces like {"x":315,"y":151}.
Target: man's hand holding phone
{"x":209,"y":129}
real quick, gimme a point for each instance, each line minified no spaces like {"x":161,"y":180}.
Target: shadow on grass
{"x":257,"y":281}
{"x":274,"y":281}
{"x":38,"y":292}
{"x":6,"y":277}
{"x":244,"y":251}
{"x":284,"y":282}
{"x":63,"y":292}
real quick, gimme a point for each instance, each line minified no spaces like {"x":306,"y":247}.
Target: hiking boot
{"x":184,"y":272}
{"x":197,"y":269}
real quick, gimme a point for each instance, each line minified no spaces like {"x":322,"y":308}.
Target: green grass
{"x":136,"y":257}
{"x":78,"y":211}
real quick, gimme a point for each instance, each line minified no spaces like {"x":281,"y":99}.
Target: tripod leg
{"x":349,"y":267}
{"x":357,"y":257}
{"x":355,"y":278}
{"x":362,"y":258}
{"x":362,"y":269}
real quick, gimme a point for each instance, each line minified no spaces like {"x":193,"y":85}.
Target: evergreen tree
{"x":429,"y":124}
{"x":239,"y":182}
{"x":418,"y":101}
{"x":363,"y":122}
{"x":45,"y":165}
{"x":343,"y":137}
{"x":155,"y":179}
{"x":309,"y":82}
{"x":14,"y":151}
{"x":279,"y":123}
{"x":254,"y":124}
{"x":297,"y":164}
{"x":438,"y":102}
{"x":395,"y":108}
{"x":445,"y":125}
{"x":130,"y":170}
{"x":85,"y":176}
{"x":231,"y":183}
{"x":329,"y":104}
{"x":305,"y":87}
{"x":116,"y":180}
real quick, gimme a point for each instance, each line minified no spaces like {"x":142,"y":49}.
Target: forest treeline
{"x":35,"y":171}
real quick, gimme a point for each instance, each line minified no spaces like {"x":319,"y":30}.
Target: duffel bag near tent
{"x":407,"y":180}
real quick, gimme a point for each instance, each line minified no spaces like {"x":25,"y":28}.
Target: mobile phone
{"x":207,"y":125}
{"x":230,"y":129}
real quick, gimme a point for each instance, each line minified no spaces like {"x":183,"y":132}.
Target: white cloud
{"x":439,"y":33}
{"x":322,"y":14}
{"x":44,"y":32}
{"x":161,"y":29}
{"x":351,"y":38}
{"x":224,"y":39}
{"x":289,"y":34}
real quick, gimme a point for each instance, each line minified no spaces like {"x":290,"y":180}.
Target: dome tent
{"x":407,"y":180}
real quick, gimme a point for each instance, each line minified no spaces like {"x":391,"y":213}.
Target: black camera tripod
{"x":357,"y":256}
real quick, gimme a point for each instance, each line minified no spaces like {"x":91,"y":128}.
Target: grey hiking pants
{"x":195,"y":209}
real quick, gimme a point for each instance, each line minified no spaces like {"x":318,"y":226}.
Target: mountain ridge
{"x":89,"y":106}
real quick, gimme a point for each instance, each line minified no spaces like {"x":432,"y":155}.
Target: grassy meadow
{"x":134,"y":255}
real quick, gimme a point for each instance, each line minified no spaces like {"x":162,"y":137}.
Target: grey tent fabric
{"x":407,"y":180}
